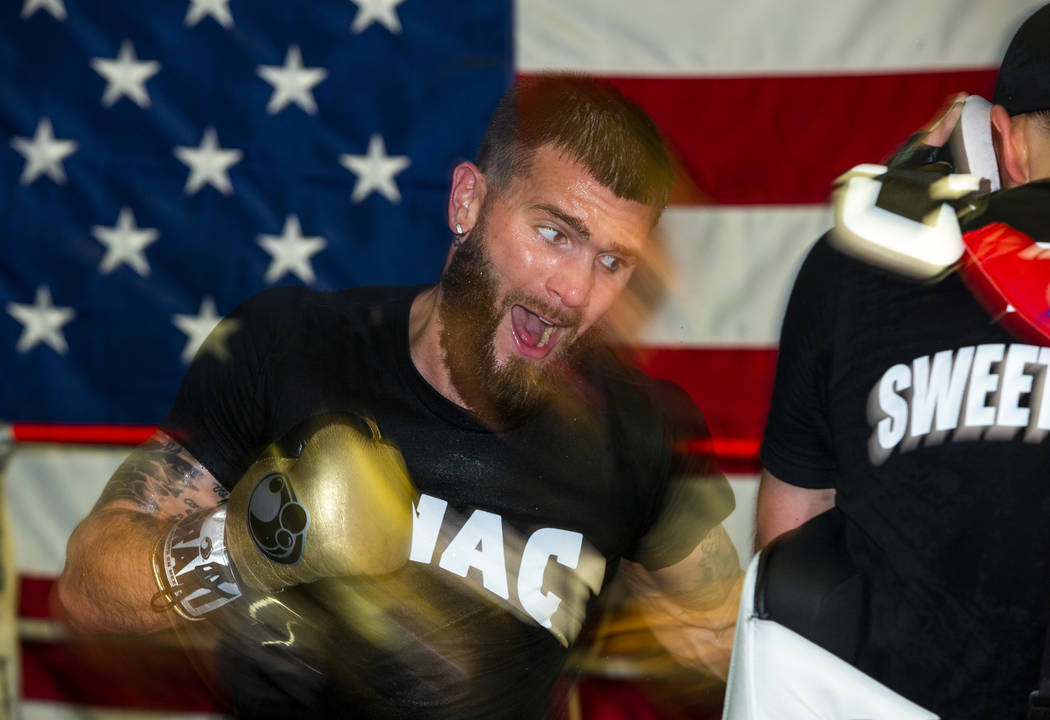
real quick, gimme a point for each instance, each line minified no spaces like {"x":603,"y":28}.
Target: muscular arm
{"x":107,"y":582}
{"x":783,"y":506}
{"x":691,"y":606}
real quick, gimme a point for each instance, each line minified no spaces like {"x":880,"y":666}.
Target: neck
{"x":424,"y":343}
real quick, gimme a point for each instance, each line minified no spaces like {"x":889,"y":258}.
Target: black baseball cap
{"x":1023,"y":84}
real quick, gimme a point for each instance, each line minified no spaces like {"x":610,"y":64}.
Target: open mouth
{"x":535,"y":334}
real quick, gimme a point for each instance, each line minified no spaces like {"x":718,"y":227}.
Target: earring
{"x":459,"y":229}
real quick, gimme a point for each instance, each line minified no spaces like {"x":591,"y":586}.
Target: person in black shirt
{"x":910,"y":411}
{"x":431,"y":484}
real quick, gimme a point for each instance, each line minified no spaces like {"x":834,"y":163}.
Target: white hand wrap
{"x":192,"y":567}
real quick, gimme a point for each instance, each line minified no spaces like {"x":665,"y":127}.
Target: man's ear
{"x":1011,"y":147}
{"x":466,"y":198}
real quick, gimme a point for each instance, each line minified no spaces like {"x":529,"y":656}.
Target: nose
{"x":571,"y":283}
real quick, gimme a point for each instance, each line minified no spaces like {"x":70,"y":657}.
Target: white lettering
{"x":1043,"y":420}
{"x":426,"y":525}
{"x":938,"y":389}
{"x":890,"y":430}
{"x":982,"y":382}
{"x":984,"y":391}
{"x":1015,"y":383}
{"x":555,"y":596}
{"x":564,"y":546}
{"x":479,"y":544}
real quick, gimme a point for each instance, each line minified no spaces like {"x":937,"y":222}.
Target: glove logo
{"x":277,"y":520}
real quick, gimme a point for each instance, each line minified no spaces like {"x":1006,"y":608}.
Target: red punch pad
{"x":1006,"y":269}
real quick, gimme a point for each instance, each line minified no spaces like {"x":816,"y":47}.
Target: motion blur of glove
{"x":340,"y":506}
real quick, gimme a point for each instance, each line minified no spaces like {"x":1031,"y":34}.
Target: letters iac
{"x":562,"y":561}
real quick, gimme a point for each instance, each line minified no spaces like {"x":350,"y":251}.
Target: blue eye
{"x":610,"y":262}
{"x":550,"y":234}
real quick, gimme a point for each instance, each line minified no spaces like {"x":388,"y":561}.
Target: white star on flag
{"x":370,"y":11}
{"x":44,"y":154}
{"x":292,"y":82}
{"x":291,"y":252}
{"x":41,"y":322}
{"x":55,"y":7}
{"x":124,"y":244}
{"x":375,"y":171}
{"x":218,"y":9}
{"x":126,"y":76}
{"x":206,"y":331}
{"x":208,"y":164}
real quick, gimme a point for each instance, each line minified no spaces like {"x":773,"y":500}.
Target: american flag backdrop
{"x":160,"y":162}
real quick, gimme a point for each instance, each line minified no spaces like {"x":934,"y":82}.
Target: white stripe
{"x":39,"y":475}
{"x":730,"y":272}
{"x":41,"y":630}
{"x":56,"y":711}
{"x":49,"y":490}
{"x":741,"y":522}
{"x":713,"y":37}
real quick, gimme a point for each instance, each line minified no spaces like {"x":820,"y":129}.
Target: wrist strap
{"x":192,"y":567}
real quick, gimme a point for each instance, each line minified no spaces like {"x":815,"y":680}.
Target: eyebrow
{"x":580,"y":228}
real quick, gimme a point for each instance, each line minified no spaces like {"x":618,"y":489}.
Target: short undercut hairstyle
{"x":1043,"y":117}
{"x":588,"y":120}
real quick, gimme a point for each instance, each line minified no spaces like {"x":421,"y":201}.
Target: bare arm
{"x":691,"y":606}
{"x":783,"y":506}
{"x":107,"y":582}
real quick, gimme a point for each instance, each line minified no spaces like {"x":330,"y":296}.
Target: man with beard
{"x":428,"y":486}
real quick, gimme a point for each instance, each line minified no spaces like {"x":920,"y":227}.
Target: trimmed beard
{"x":501,"y":393}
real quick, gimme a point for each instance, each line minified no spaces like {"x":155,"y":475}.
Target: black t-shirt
{"x":930,"y":421}
{"x":485,"y":621}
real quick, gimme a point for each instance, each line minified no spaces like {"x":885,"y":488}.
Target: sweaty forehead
{"x":556,"y":180}
{"x":552,"y":165}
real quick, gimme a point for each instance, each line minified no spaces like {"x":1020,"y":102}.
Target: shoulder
{"x":823,"y":253}
{"x":288,"y":300}
{"x":643,"y":404}
{"x":285,"y":308}
{"x":833,"y":288}
{"x":825,"y":264}
{"x":1025,"y":207}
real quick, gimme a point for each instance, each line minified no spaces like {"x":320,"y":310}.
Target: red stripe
{"x":108,"y":672}
{"x":34,"y":597}
{"x":734,"y":455}
{"x":114,"y":674}
{"x":735,"y":448}
{"x":85,"y":434}
{"x":782,"y":140}
{"x":730,"y":385}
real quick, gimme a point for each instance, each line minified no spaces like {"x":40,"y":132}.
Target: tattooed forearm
{"x":159,"y":477}
{"x":719,"y":561}
{"x":710,"y":571}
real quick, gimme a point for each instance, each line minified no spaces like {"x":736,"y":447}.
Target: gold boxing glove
{"x":342,"y":507}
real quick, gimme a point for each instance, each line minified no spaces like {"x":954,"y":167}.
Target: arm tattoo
{"x":155,"y":473}
{"x":718,"y":564}
{"x":719,"y":561}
